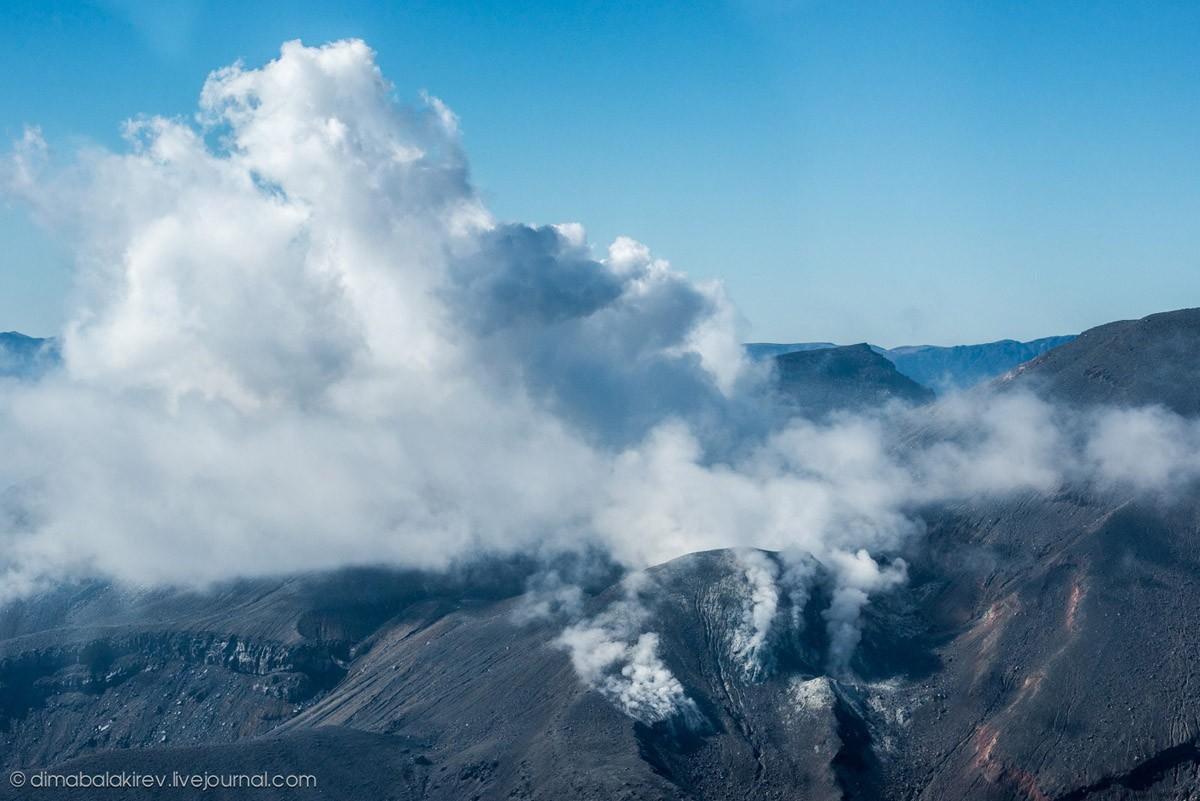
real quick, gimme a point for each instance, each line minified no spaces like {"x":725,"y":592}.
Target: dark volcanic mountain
{"x":1127,"y":363}
{"x":939,"y":368}
{"x":853,"y":377}
{"x":372,"y":688}
{"x":1044,"y":648}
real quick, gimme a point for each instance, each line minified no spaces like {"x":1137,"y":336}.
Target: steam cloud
{"x":612,"y":653}
{"x":300,"y":340}
{"x":762,"y":604}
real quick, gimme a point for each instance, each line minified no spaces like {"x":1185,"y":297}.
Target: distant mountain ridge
{"x":941,"y":368}
{"x":23,"y":356}
{"x":851,"y":377}
{"x":760,"y":351}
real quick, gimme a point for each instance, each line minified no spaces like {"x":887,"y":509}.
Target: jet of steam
{"x":751,"y":639}
{"x":611,"y":654}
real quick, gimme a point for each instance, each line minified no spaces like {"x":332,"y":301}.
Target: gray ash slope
{"x":1043,"y":648}
{"x":1067,"y":656}
{"x":1130,"y":362}
{"x":446,"y":698}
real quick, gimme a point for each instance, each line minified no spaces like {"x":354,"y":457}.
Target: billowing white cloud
{"x":1149,"y":449}
{"x":300,"y":341}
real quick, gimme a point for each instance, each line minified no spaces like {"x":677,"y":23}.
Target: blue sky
{"x":893,"y":172}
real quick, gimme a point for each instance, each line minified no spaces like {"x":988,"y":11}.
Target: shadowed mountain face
{"x":939,"y":368}
{"x":854,"y":377}
{"x":1043,"y":648}
{"x":1127,"y":363}
{"x":962,"y":366}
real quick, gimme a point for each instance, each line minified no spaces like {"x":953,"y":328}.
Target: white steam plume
{"x":751,"y":639}
{"x":613,"y":654}
{"x":796,"y":580}
{"x":858,"y":577}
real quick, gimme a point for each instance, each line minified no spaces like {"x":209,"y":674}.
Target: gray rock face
{"x":1068,"y":664}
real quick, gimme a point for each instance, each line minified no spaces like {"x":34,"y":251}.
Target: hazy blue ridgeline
{"x":937,"y":367}
{"x":26,"y":357}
